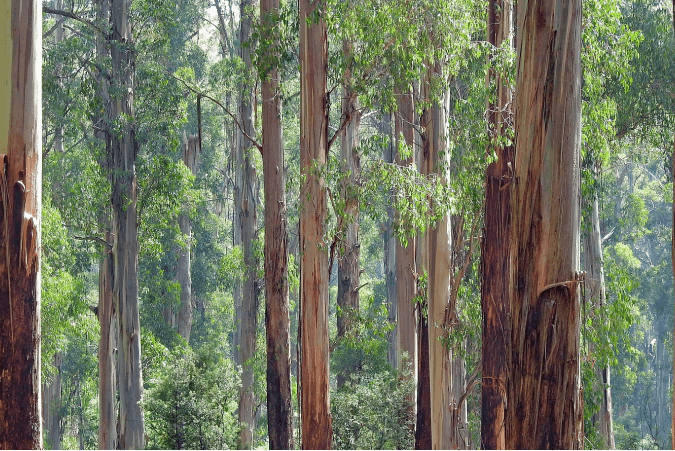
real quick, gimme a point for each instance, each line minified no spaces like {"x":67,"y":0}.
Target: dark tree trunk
{"x":20,"y":217}
{"x":277,"y":317}
{"x":495,"y":261}
{"x":423,"y":426}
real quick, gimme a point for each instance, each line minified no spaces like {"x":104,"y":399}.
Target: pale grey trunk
{"x":246,"y":201}
{"x":595,"y":291}
{"x":444,"y":430}
{"x":348,"y":262}
{"x":191,"y":152}
{"x":460,"y":411}
{"x":122,"y":163}
{"x":406,"y":263}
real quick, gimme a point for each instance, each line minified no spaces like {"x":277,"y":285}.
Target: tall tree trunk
{"x":122,"y":150}
{"x":494,"y":255}
{"x":348,"y":263}
{"x":406,"y":265}
{"x":595,"y":289}
{"x":277,"y":307}
{"x":20,"y":220}
{"x":247,"y":219}
{"x":317,"y":428}
{"x":107,"y":370}
{"x":191,"y":151}
{"x":545,"y":409}
{"x":390,"y":249}
{"x":443,"y":431}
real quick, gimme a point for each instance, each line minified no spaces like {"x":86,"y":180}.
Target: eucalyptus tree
{"x":21,"y":189}
{"x":317,"y":428}
{"x":544,"y":386}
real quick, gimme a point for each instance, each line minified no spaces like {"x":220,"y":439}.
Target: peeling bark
{"x":544,"y":403}
{"x":20,"y":225}
{"x":122,"y":149}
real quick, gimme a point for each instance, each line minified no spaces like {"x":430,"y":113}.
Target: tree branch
{"x":71,"y":15}
{"x":234,"y":118}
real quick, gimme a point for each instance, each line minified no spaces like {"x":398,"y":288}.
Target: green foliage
{"x":191,"y":404}
{"x":374,"y":413}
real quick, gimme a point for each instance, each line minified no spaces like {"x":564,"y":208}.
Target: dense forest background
{"x":198,"y":69}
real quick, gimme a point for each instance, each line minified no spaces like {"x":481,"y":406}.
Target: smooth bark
{"x":444,"y":430}
{"x":544,"y":403}
{"x":596,"y":294}
{"x":51,"y":405}
{"x":191,"y":151}
{"x":406,"y":265}
{"x":20,"y":218}
{"x":348,"y":263}
{"x":277,"y":307}
{"x":317,"y":428}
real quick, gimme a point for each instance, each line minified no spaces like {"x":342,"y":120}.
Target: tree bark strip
{"x":317,"y":428}
{"x":545,"y":409}
{"x":277,"y":307}
{"x":20,"y":224}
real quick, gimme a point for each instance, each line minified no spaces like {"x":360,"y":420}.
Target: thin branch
{"x":234,"y":118}
{"x":93,"y":238}
{"x":71,"y":15}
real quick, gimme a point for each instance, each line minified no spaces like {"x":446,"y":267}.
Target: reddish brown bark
{"x":277,"y":315}
{"x":317,"y":428}
{"x":20,"y":215}
{"x":544,"y":404}
{"x":495,"y":251}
